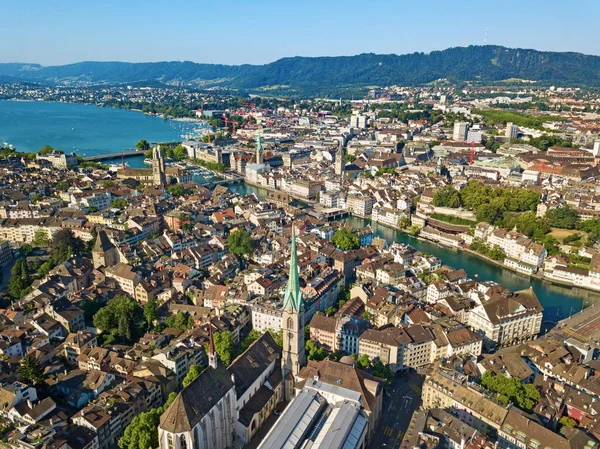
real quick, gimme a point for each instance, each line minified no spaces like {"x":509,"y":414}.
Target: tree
{"x":176,"y":190}
{"x":224,"y":346}
{"x":151,"y":311}
{"x":403,"y":222}
{"x":447,"y":196}
{"x":329,"y":311}
{"x":240,"y":243}
{"x":64,"y":245}
{"x":363,"y":361}
{"x":567,"y":422}
{"x":142,"y":145}
{"x":40,"y":238}
{"x":367,"y":316}
{"x":191,"y":375}
{"x":313,"y":352}
{"x":383,"y":371}
{"x":117,"y":318}
{"x":19,"y":278}
{"x":31,"y":370}
{"x":46,"y":149}
{"x":119,"y":203}
{"x":277,"y":336}
{"x":63,"y":186}
{"x":142,"y":431}
{"x":563,"y":217}
{"x":179,"y":152}
{"x":181,"y":320}
{"x":414,"y":230}
{"x":25,"y":250}
{"x":253,"y":335}
{"x":523,"y":396}
{"x":346,"y":239}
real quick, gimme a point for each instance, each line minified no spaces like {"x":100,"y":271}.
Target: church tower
{"x":159,"y":177}
{"x":292,"y":357}
{"x":259,"y":152}
{"x":340,"y":160}
{"x":212,"y":354}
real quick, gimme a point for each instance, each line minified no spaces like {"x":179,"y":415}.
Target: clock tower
{"x":292,"y":357}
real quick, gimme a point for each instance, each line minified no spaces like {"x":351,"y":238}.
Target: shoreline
{"x":459,"y":249}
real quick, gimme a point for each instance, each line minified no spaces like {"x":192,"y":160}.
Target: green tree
{"x":191,"y":375}
{"x":523,"y":396}
{"x":119,"y":203}
{"x":176,"y":190}
{"x":46,"y":149}
{"x":224,"y":346}
{"x":65,"y":245}
{"x":240,"y":243}
{"x":31,"y":370}
{"x":180,"y":320}
{"x":142,"y":145}
{"x":346,"y":239}
{"x":447,"y":196}
{"x":313,"y":352}
{"x":19,"y":278}
{"x":142,"y":431}
{"x":117,"y":318}
{"x":63,"y":186}
{"x":383,"y":371}
{"x":179,"y":152}
{"x":252,"y":336}
{"x":277,"y":336}
{"x":40,"y":238}
{"x":363,"y":361}
{"x":567,"y":422}
{"x":563,"y":217}
{"x":151,"y":311}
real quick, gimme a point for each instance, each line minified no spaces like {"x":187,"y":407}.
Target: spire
{"x":212,"y":355}
{"x":293,"y":298}
{"x":259,"y":155}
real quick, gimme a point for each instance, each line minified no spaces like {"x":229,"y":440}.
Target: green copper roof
{"x":258,"y":144}
{"x":293,"y":297}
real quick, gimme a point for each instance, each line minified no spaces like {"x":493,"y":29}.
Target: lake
{"x":86,"y":129}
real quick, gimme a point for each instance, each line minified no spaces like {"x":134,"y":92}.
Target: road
{"x":402,"y":397}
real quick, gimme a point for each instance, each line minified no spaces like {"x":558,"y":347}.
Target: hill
{"x":326,"y":74}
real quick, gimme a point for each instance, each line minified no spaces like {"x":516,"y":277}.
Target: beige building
{"x":125,"y":277}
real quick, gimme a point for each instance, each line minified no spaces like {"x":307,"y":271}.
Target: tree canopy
{"x":191,"y":375}
{"x":522,"y":395}
{"x":240,"y":243}
{"x":346,"y":239}
{"x":117,"y":318}
{"x":142,"y":431}
{"x":65,"y":245}
{"x":31,"y":370}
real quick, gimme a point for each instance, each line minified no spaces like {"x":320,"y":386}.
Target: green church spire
{"x":293,"y":297}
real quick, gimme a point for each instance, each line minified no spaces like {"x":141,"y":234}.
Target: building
{"x":460,"y":131}
{"x":385,"y":345}
{"x":159,"y":177}
{"x":507,"y":319}
{"x":511,"y":131}
{"x":203,"y":414}
{"x":125,"y":277}
{"x":104,"y":253}
{"x":58,"y":160}
{"x":340,"y":160}
{"x":305,"y":189}
{"x":5,"y":253}
{"x":293,"y":356}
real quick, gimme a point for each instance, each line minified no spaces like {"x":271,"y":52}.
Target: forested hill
{"x":301,"y":74}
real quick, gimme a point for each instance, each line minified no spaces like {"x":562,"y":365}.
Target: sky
{"x":260,"y":31}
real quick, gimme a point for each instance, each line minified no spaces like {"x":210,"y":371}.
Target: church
{"x":158,"y":175}
{"x":227,"y":405}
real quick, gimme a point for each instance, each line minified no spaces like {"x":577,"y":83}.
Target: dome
{"x":347,"y":360}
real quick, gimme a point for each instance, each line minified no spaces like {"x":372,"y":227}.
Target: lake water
{"x":86,"y":129}
{"x":559,"y":302}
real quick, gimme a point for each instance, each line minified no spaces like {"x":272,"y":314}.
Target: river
{"x":559,"y":302}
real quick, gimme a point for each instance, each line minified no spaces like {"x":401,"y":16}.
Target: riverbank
{"x":559,"y":302}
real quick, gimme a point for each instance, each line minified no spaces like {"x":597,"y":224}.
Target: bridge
{"x":123,"y":154}
{"x":223,"y":182}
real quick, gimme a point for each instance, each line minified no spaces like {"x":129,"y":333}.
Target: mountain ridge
{"x":300,"y":73}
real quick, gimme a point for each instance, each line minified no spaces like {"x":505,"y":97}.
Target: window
{"x":182,"y":442}
{"x":170,"y":442}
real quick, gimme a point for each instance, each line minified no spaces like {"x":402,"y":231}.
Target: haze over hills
{"x":317,"y":75}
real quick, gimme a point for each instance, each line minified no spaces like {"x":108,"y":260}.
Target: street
{"x":402,"y":397}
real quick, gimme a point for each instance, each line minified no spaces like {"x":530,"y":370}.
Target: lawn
{"x":560,"y":234}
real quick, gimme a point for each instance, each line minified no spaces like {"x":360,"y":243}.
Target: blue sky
{"x":260,"y":31}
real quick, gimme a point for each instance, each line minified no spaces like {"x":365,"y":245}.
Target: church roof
{"x":293,"y":297}
{"x":254,"y":362}
{"x":196,"y":400}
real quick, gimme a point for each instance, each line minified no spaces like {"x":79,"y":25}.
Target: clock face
{"x":290,"y":335}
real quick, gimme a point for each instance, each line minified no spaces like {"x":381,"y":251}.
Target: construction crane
{"x":472,"y":153}
{"x":227,"y":122}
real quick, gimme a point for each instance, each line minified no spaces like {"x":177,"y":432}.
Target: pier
{"x":122,"y":154}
